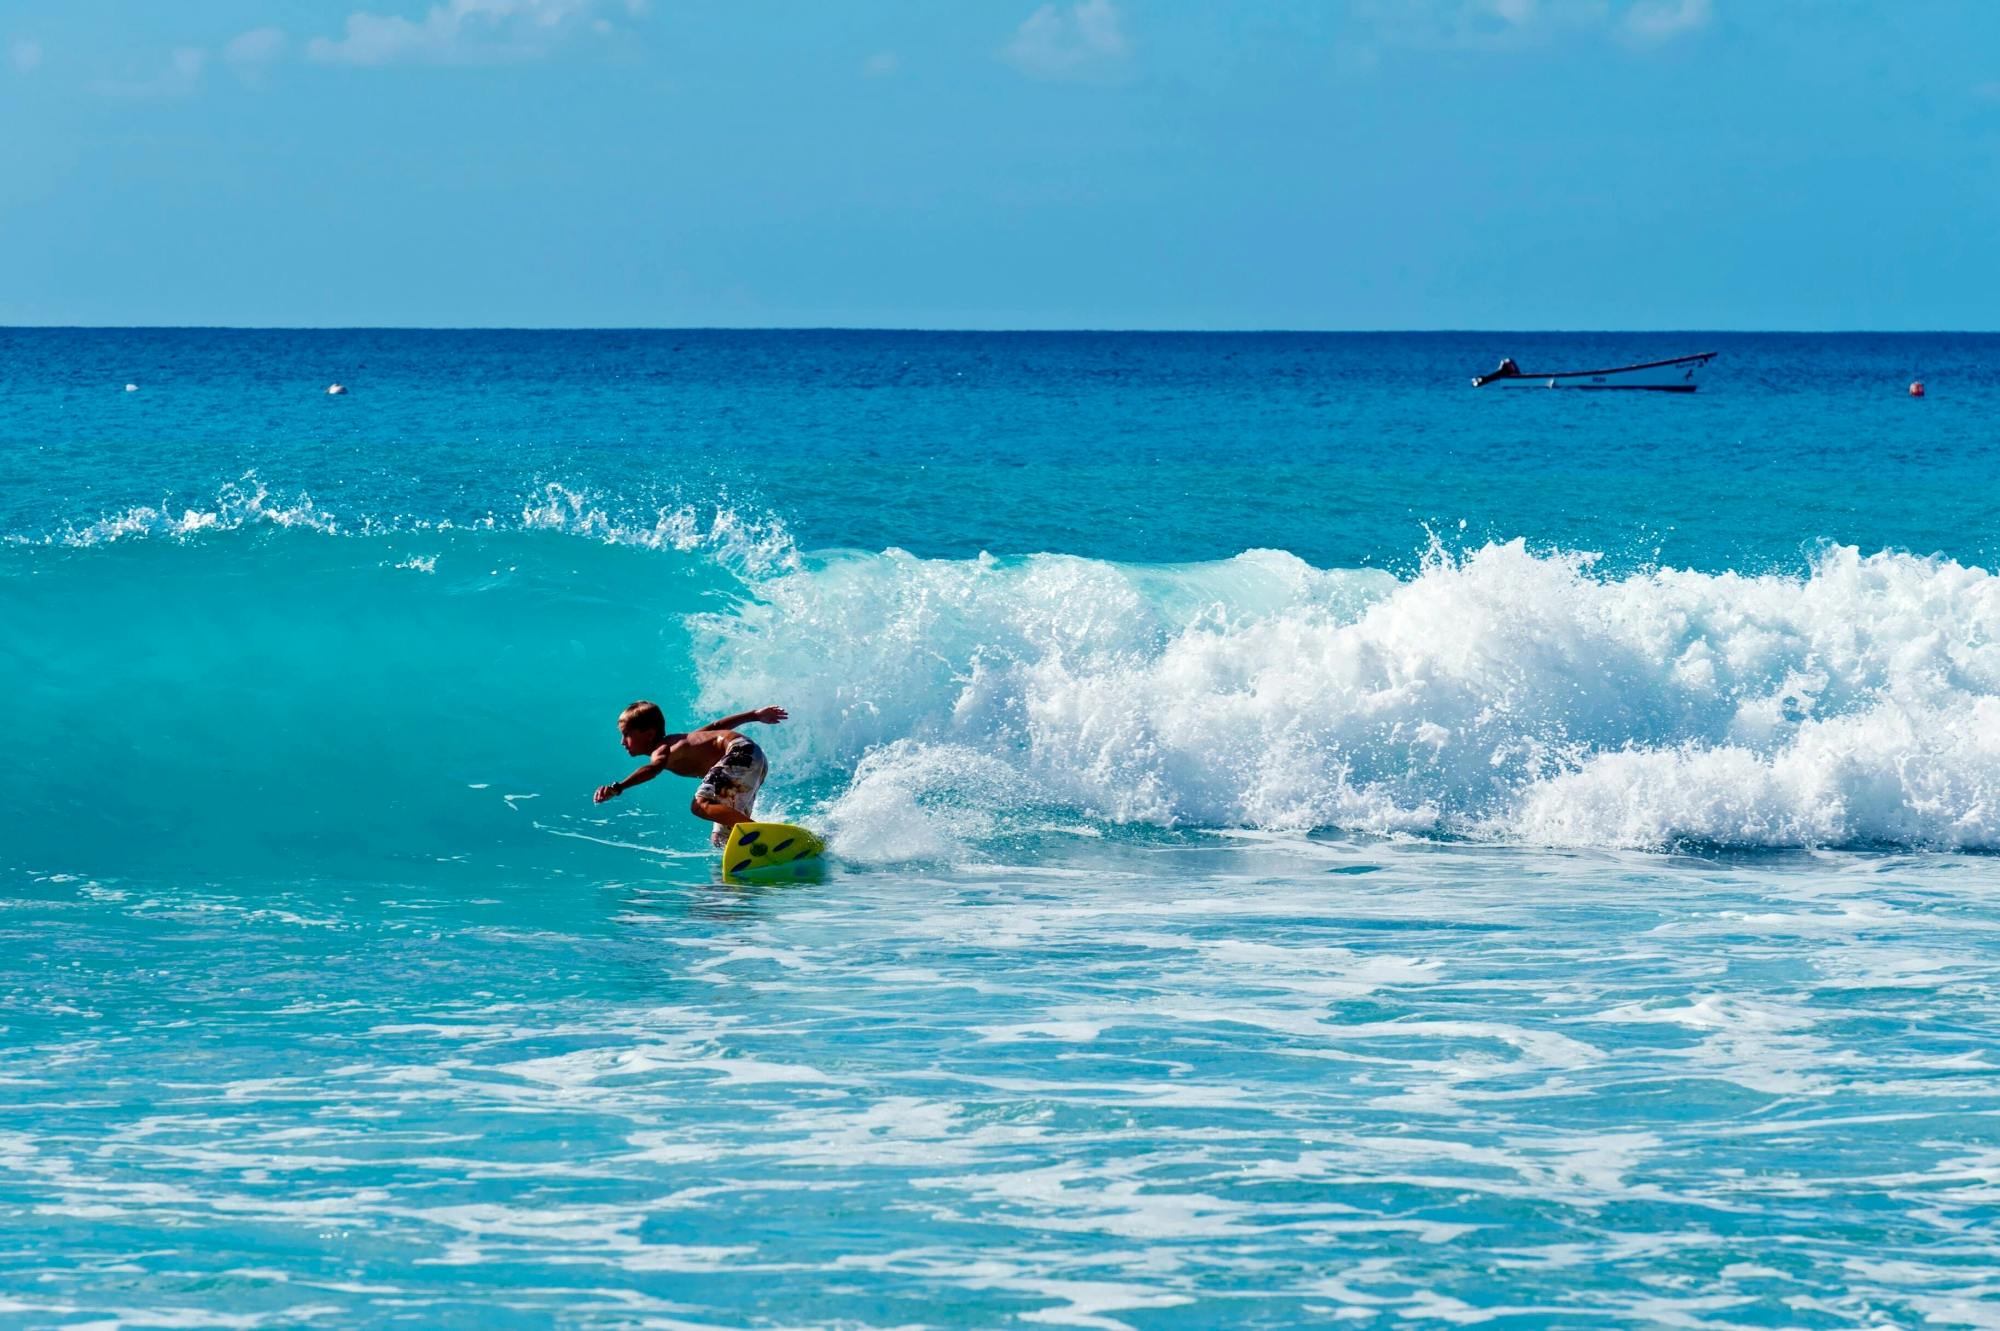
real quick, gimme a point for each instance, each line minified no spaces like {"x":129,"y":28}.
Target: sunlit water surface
{"x":1310,"y":842}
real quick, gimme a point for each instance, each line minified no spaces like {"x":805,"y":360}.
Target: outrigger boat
{"x":1661,"y":376}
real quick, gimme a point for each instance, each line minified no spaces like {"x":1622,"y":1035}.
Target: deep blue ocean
{"x":1312,"y":842}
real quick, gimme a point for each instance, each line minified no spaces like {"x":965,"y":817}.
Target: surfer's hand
{"x":604,"y":793}
{"x":770,"y":716}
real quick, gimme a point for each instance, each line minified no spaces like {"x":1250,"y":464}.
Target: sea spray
{"x":1504,"y":694}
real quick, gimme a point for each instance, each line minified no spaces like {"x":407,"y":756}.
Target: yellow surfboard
{"x":771,"y":850}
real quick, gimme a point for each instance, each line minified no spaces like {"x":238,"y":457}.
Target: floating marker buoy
{"x":336,"y":390}
{"x":1917,"y":388}
{"x":131,"y":388}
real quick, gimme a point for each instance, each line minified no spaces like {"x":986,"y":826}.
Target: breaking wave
{"x":1503,"y":694}
{"x":258,"y":670}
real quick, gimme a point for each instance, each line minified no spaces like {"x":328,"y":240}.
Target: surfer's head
{"x":642,"y":727}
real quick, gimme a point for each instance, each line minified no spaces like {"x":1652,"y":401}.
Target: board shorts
{"x":735,"y":780}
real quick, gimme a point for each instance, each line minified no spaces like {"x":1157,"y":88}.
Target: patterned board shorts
{"x":736,"y":779}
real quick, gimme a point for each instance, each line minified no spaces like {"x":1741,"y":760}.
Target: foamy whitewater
{"x":1311,"y":842}
{"x":1502,"y":695}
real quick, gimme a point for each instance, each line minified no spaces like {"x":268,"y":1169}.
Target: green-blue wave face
{"x":271,"y":696}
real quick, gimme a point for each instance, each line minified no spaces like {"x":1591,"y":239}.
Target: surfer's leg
{"x":750,"y":779}
{"x":729,"y":792}
{"x":723,"y":815}
{"x":715,"y":800}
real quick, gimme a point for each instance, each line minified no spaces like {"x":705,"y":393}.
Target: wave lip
{"x":1503,"y":695}
{"x":242,"y":503}
{"x":756,"y":545}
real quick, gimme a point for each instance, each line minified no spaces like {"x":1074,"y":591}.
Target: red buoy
{"x":1917,"y":388}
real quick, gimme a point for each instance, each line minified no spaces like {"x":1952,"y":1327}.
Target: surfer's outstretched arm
{"x":638,"y":778}
{"x":770,"y":716}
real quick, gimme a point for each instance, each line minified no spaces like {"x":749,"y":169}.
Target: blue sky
{"x":1002,"y":163}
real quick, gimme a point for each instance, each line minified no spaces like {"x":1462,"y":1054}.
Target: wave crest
{"x":753,"y":544}
{"x":1501,"y":694}
{"x":247,"y":502}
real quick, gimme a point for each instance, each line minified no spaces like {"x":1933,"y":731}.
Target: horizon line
{"x":996,"y":330}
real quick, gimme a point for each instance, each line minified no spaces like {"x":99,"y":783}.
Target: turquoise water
{"x":1312,"y":842}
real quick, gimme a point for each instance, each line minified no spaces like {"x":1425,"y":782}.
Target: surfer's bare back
{"x":731,"y":766}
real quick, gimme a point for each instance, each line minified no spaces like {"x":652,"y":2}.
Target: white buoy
{"x":335,"y":390}
{"x":131,"y":388}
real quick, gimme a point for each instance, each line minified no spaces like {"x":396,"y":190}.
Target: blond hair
{"x":643,"y":717}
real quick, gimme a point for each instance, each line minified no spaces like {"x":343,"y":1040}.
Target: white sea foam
{"x":755,"y":545}
{"x":751,"y":544}
{"x":1505,"y":694}
{"x":236,"y":504}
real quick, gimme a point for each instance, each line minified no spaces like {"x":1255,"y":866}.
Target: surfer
{"x":731,"y":766}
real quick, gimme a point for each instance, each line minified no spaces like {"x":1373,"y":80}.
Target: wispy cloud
{"x":181,"y":76}
{"x":1085,"y":41}
{"x":1507,"y":25}
{"x":1664,"y":20}
{"x":255,"y":47}
{"x":1470,"y":24}
{"x":251,"y":53}
{"x":459,"y":32}
{"x":25,"y":55}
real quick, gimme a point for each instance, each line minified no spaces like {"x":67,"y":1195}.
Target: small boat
{"x":1662,"y":376}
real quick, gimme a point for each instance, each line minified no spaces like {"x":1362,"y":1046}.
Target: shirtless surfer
{"x":730,"y":765}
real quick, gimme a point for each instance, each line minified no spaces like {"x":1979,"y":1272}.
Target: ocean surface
{"x":1312,"y":843}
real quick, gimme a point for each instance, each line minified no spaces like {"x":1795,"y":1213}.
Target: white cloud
{"x":259,"y":46}
{"x":455,"y":32}
{"x":1509,"y":25}
{"x":1664,"y":20}
{"x":25,"y":55}
{"x":1470,"y":24}
{"x":1086,"y":41}
{"x":880,"y":64}
{"x":181,"y":76}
